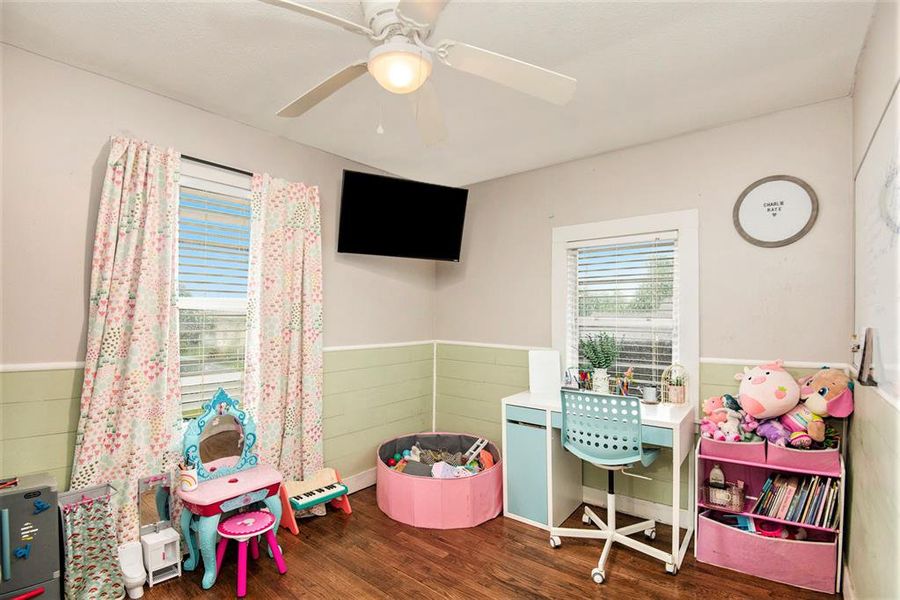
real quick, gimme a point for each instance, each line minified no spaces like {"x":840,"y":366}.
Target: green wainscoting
{"x":38,"y":419}
{"x":471,"y":381}
{"x":873,"y":516}
{"x":370,"y":395}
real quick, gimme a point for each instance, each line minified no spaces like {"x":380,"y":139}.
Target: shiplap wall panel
{"x":38,"y":420}
{"x":873,"y":494}
{"x":471,"y":381}
{"x":370,"y":395}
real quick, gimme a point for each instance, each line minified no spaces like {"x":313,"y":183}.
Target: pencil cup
{"x":187,"y":479}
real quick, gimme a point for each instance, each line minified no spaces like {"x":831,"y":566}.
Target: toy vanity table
{"x":219,"y":443}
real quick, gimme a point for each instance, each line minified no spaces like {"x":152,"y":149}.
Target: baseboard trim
{"x":360,"y":481}
{"x":661,"y":513}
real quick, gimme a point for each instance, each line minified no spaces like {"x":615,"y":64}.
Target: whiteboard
{"x":877,"y":232}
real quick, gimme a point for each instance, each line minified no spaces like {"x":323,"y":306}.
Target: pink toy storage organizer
{"x":438,"y":503}
{"x":813,"y":563}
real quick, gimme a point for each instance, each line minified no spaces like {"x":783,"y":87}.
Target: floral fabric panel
{"x":283,"y":365}
{"x":130,"y":401}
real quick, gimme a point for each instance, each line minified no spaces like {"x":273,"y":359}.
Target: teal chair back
{"x":602,"y":429}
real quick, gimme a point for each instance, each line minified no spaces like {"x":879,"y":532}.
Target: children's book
{"x":810,"y":499}
{"x":828,"y":520}
{"x":817,"y":504}
{"x":790,"y":489}
{"x":799,"y":499}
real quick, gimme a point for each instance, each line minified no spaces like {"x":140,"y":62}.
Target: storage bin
{"x":753,"y":452}
{"x":808,"y":564}
{"x":438,"y":503}
{"x":826,"y":461}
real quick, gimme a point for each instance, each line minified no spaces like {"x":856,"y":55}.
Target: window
{"x":213,"y":261}
{"x":632,"y":282}
{"x":624,"y":290}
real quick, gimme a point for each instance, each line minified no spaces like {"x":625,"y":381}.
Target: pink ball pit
{"x":438,"y":503}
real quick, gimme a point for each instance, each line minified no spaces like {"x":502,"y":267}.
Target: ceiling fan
{"x":401,"y":61}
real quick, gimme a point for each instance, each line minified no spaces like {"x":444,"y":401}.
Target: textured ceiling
{"x":645,"y":71}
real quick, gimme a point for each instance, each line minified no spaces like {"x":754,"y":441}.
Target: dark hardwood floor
{"x":367,"y":555}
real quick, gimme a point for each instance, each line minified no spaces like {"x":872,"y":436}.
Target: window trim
{"x":686,"y":223}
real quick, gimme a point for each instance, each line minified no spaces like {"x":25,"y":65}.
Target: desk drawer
{"x":656,"y":436}
{"x":533,"y":416}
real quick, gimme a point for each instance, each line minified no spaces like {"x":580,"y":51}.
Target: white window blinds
{"x":213,"y":261}
{"x":625,"y":288}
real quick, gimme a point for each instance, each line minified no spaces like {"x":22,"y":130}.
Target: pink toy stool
{"x":245,"y":527}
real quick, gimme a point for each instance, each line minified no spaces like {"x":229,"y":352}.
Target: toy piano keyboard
{"x":324,"y":486}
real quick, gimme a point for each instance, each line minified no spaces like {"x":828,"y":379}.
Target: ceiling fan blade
{"x":429,"y":117}
{"x":323,"y":90}
{"x":321,"y":15}
{"x":527,"y":78}
{"x":423,"y":12}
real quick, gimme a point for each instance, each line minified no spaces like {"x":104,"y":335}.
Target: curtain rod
{"x":219,"y":165}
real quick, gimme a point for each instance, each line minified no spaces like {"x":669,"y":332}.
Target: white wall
{"x":873,"y":515}
{"x":56,"y":124}
{"x":877,"y":74}
{"x":793,"y":302}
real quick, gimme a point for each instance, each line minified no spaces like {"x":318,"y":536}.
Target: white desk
{"x":542,"y":483}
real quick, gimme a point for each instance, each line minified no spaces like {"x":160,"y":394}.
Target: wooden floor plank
{"x":368,"y":555}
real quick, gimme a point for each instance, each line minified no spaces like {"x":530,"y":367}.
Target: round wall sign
{"x":775,"y":211}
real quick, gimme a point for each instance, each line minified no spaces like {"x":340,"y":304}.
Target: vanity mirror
{"x":154,"y":502}
{"x":220,"y":441}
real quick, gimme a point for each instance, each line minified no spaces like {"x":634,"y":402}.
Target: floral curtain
{"x":283,"y":363}
{"x":130,"y":400}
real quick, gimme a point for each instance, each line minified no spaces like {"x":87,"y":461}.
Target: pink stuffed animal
{"x":767,"y":391}
{"x":720,"y":423}
{"x":827,"y":393}
{"x":712,"y":416}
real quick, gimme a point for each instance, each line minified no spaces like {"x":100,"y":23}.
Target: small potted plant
{"x":600,"y":351}
{"x":674,"y":383}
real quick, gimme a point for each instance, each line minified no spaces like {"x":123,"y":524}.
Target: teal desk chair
{"x":606,"y":431}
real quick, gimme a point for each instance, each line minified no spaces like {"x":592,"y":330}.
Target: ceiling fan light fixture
{"x":399,"y":66}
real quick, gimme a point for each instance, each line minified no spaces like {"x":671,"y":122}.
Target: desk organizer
{"x":813,"y":563}
{"x":438,"y":503}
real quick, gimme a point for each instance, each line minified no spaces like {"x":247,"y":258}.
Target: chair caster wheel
{"x":650,"y":533}
{"x":555,"y":542}
{"x":671,"y":569}
{"x":585,"y":519}
{"x":598,"y":576}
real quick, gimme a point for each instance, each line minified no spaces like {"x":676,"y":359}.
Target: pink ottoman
{"x":438,"y":503}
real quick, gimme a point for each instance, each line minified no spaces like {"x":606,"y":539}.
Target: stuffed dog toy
{"x":828,"y":393}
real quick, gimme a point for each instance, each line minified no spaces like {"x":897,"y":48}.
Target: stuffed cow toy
{"x":767,"y":391}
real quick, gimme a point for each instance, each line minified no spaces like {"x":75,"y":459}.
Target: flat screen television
{"x":387,"y":216}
